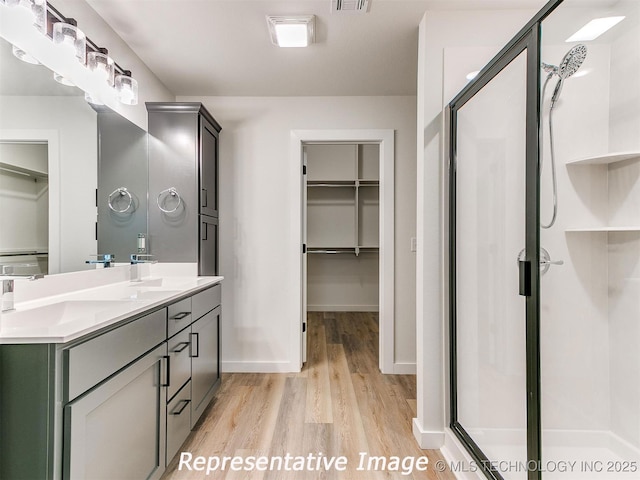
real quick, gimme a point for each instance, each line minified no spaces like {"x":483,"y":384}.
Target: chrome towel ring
{"x":172,"y":192}
{"x":118,"y":193}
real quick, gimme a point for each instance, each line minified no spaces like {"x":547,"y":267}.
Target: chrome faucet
{"x":7,"y":295}
{"x":106,"y":259}
{"x":136,"y":271}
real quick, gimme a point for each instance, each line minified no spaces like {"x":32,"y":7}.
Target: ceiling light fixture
{"x":594,"y":29}
{"x":292,"y":31}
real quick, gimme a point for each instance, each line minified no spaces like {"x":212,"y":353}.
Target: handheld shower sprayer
{"x":569,"y":65}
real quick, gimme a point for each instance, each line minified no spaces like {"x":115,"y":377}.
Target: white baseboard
{"x":343,"y":308}
{"x":427,"y":440}
{"x":258,"y":367}
{"x":402,"y":368}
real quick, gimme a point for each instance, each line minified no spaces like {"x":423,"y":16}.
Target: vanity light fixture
{"x":100,"y":61}
{"x":62,"y":80}
{"x":594,"y":29}
{"x":92,"y":100}
{"x":37,"y":11}
{"x":127,"y":88}
{"x":24,"y":56}
{"x":292,"y":31}
{"x":68,"y":35}
{"x":471,"y":75}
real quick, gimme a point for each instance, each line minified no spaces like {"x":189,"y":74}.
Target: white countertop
{"x":70,"y":313}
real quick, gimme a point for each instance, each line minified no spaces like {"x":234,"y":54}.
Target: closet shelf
{"x":331,"y":183}
{"x":606,"y":158}
{"x":335,"y":251}
{"x":603,"y":229}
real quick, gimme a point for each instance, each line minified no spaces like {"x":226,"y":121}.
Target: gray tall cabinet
{"x":183,"y":184}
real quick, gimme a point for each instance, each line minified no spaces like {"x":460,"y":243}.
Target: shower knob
{"x":545,"y":260}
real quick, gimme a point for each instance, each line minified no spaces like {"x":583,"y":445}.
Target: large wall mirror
{"x":73,"y":178}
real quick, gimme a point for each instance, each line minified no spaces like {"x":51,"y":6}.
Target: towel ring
{"x":120,"y":192}
{"x":173,"y":193}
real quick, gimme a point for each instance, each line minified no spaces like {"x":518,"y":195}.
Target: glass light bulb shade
{"x":71,"y":37}
{"x":24,"y":56}
{"x":60,"y":79}
{"x":127,"y":89}
{"x":92,"y":100}
{"x":39,"y":9}
{"x":103,"y":64}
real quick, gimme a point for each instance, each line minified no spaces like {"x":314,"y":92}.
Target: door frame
{"x":386,"y":274}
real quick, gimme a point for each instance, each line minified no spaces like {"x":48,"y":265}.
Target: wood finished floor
{"x":339,"y":405}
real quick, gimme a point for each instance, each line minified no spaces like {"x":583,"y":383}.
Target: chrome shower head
{"x":570,"y":64}
{"x":572,"y":61}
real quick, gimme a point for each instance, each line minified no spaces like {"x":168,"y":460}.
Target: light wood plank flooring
{"x":339,"y":405}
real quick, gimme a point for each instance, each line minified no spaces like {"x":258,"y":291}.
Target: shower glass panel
{"x":490,"y":234}
{"x":589,"y":308}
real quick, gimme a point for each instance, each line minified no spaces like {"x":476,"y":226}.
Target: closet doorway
{"x":347,"y":228}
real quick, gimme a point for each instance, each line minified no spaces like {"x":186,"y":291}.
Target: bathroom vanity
{"x":107,"y":382}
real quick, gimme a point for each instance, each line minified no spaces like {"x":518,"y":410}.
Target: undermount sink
{"x":64,"y":312}
{"x":145,"y":293}
{"x":168,"y":283}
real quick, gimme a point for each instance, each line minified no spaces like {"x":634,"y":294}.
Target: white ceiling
{"x":222,"y":47}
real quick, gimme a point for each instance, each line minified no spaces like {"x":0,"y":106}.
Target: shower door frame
{"x":529,"y":40}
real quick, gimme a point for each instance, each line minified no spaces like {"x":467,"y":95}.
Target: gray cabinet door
{"x":208,"y":250}
{"x":118,"y":430}
{"x":208,"y":169}
{"x":205,"y":362}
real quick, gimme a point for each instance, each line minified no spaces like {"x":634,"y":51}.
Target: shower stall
{"x":544,"y":249}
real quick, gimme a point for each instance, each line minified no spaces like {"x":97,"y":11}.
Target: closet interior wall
{"x":342,"y":227}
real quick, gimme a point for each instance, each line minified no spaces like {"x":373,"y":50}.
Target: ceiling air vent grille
{"x":350,"y":6}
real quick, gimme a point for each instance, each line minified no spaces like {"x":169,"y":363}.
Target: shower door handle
{"x":524,"y":274}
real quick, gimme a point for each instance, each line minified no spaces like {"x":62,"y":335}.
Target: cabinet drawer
{"x":179,"y":362}
{"x":179,"y":316}
{"x":91,"y":362}
{"x":178,"y":421}
{"x":206,"y":301}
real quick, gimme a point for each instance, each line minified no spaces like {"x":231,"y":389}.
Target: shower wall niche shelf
{"x":606,"y":158}
{"x":342,"y":198}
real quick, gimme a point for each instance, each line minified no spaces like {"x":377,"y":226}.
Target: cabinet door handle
{"x":204,"y":231}
{"x":195,"y":344}
{"x":180,"y":316}
{"x":180,"y":347}
{"x":167,"y":371}
{"x":204,"y":197}
{"x":182,"y":404}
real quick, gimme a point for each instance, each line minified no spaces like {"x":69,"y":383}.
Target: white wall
{"x":76,"y":125}
{"x":624,"y":248}
{"x":485,"y":32}
{"x":258,"y":247}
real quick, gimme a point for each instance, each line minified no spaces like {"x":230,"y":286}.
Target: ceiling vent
{"x":350,"y":6}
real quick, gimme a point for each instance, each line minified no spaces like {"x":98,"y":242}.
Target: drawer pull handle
{"x":180,"y":347}
{"x":195,"y":344}
{"x":167,"y":371}
{"x":182,"y":404}
{"x":180,"y":316}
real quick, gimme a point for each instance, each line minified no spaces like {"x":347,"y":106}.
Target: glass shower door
{"x":489,"y":387}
